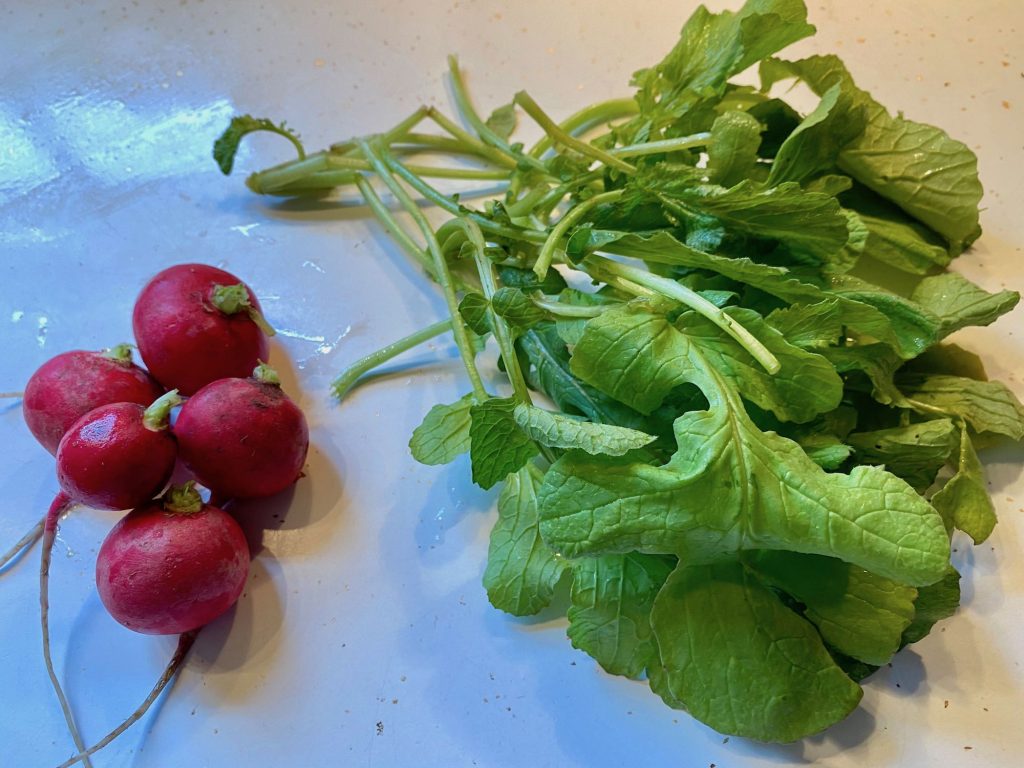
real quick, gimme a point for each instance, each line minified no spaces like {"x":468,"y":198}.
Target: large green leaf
{"x":915,"y":452}
{"x":988,"y":406}
{"x":739,"y":660}
{"x":731,"y":487}
{"x":958,"y":303}
{"x":610,"y":614}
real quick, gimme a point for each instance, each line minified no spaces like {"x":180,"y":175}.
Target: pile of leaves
{"x":721,"y":426}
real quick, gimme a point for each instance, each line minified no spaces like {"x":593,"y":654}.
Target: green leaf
{"x":610,"y":611}
{"x":548,"y":371}
{"x":732,"y":151}
{"x":810,"y":326}
{"x":226,"y":146}
{"x":740,"y":661}
{"x":877,"y":361}
{"x":473,"y":309}
{"x":915,"y":452}
{"x":857,"y":612}
{"x":497,"y":446}
{"x":964,"y":501}
{"x":521,"y":572}
{"x":527,"y":280}
{"x":934,"y":602}
{"x":918,"y":167}
{"x":827,"y":451}
{"x":626,"y":360}
{"x":907,"y":326}
{"x":556,"y":430}
{"x":516,"y":308}
{"x":894,"y":238}
{"x":730,"y":487}
{"x":815,"y":144}
{"x":444,"y":433}
{"x":988,"y":406}
{"x":958,"y":303}
{"x":503,"y":120}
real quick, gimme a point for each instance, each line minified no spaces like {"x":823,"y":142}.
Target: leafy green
{"x":557,"y":430}
{"x":226,"y":146}
{"x":497,"y":446}
{"x":746,"y":399}
{"x":610,"y":611}
{"x":444,"y":433}
{"x":964,"y":501}
{"x":739,"y":660}
{"x":521,"y":572}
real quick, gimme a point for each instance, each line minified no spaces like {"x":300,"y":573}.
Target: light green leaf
{"x":907,"y":326}
{"x":815,"y":144}
{"x":503,"y":120}
{"x":497,"y":446}
{"x":738,"y":660}
{"x":521,"y":572}
{"x":958,"y":303}
{"x":731,"y":487}
{"x":626,"y":360}
{"x":857,"y":612}
{"x":444,"y":433}
{"x":988,"y":406}
{"x":610,"y":611}
{"x":915,"y":452}
{"x":732,"y":151}
{"x":964,"y":501}
{"x":527,"y":280}
{"x":810,"y":326}
{"x":556,"y":430}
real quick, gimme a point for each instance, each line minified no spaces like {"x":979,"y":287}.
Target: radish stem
{"x":25,"y":541}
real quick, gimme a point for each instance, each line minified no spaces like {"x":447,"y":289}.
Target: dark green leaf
{"x":497,"y":446}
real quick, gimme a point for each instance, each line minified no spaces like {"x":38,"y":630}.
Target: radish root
{"x":61,"y":503}
{"x":24,"y":542}
{"x":185,"y":641}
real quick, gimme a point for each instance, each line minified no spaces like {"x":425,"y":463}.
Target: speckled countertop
{"x":364,"y":637}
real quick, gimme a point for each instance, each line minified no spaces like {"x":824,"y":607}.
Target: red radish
{"x":243,"y":438}
{"x":195,"y":324}
{"x":116,"y":456}
{"x":71,"y":384}
{"x":172,"y":566}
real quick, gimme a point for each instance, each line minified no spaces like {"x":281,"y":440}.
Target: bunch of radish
{"x":174,"y":562}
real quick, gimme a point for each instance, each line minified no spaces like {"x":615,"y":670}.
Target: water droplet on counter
{"x":41,"y":325}
{"x":314,"y":265}
{"x":245,"y":228}
{"x":16,"y":315}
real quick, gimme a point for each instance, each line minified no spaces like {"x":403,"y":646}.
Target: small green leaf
{"x":516,"y":308}
{"x":473,"y":309}
{"x":527,"y":280}
{"x":915,"y":452}
{"x":958,"y":302}
{"x":732,"y":151}
{"x":964,"y":501}
{"x":988,"y":406}
{"x":521,"y":571}
{"x":444,"y":433}
{"x":226,"y":146}
{"x":503,"y":120}
{"x":934,"y":602}
{"x":556,"y":430}
{"x":498,"y":446}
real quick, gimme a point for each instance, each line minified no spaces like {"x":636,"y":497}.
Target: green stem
{"x":496,"y":156}
{"x":664,"y":145}
{"x":555,"y":131}
{"x":157,"y":417}
{"x":392,"y":226}
{"x":442,"y":274}
{"x":547,"y":250}
{"x":348,"y":378}
{"x":355,"y":164}
{"x":456,"y":209}
{"x":678,"y":292}
{"x":593,"y":115}
{"x":286,"y":173}
{"x":465,"y":107}
{"x":403,"y":127}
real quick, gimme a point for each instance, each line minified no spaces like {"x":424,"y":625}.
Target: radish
{"x":71,"y":384}
{"x":195,"y":324}
{"x":172,"y":566}
{"x":243,"y":438}
{"x":116,"y":456}
{"x":169,"y":566}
